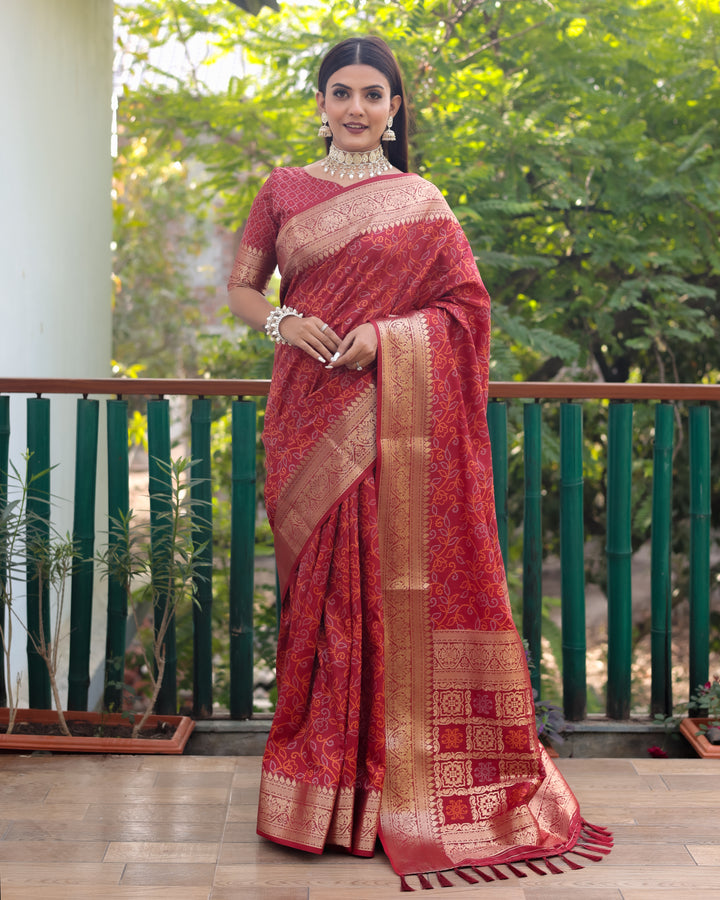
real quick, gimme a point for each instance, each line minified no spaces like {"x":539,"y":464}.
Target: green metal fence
{"x":566,"y":400}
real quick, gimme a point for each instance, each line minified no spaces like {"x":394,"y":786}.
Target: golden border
{"x":483,"y":659}
{"x":319,"y":232}
{"x":252,"y":268}
{"x":402,"y":498}
{"x":338,"y":459}
{"x":311,"y":816}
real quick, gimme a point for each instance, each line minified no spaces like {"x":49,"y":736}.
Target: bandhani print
{"x":404,"y":704}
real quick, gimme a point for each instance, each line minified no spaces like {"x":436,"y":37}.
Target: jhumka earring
{"x":324,"y":129}
{"x":389,"y":134}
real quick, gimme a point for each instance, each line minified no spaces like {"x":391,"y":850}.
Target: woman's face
{"x":358,"y":102}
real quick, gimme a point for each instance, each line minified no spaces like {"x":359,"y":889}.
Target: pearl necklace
{"x":355,"y":165}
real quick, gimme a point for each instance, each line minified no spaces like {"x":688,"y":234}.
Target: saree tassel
{"x":595,"y":838}
{"x":444,"y":880}
{"x":571,"y":863}
{"x":466,"y":876}
{"x":596,"y":848}
{"x":516,"y":872}
{"x":425,"y":882}
{"x":591,"y":856}
{"x":534,"y":867}
{"x":598,"y":828}
{"x":501,"y":876}
{"x":483,"y":875}
{"x":404,"y":886}
{"x":552,"y":868}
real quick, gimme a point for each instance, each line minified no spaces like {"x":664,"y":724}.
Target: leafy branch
{"x":158,"y":564}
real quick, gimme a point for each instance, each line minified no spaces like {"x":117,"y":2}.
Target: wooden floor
{"x":144,"y":828}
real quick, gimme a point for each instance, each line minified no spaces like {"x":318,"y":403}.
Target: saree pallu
{"x":404,"y":702}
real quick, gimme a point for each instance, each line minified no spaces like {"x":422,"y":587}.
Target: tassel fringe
{"x":598,"y":828}
{"x":468,"y":878}
{"x":483,"y":875}
{"x":501,"y":876}
{"x":597,"y":842}
{"x":591,"y":856}
{"x":604,"y":840}
{"x":596,"y":848}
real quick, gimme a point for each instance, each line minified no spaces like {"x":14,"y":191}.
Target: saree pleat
{"x":324,"y":761}
{"x":404,"y":701}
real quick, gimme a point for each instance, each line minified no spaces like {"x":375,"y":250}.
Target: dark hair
{"x":372,"y":51}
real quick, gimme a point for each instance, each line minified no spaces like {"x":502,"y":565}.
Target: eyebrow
{"x":366,"y":88}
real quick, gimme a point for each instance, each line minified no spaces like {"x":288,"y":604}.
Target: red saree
{"x":404,"y":702}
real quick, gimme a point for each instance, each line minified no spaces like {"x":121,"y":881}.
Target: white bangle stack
{"x":272,"y":326}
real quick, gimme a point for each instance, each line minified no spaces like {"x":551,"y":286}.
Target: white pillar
{"x":55,"y":212}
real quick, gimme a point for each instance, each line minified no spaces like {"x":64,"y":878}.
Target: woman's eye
{"x":339,"y":93}
{"x":374,"y":95}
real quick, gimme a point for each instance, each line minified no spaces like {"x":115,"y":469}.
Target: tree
{"x":574,"y":140}
{"x":158,"y":231}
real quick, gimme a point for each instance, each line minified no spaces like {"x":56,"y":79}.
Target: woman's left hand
{"x":357,"y":350}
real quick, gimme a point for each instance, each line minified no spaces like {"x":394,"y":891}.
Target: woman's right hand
{"x":312,"y":335}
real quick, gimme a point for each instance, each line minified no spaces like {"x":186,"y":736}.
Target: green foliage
{"x":704,"y":703}
{"x":158,"y":231}
{"x":576,"y":144}
{"x":32,"y":551}
{"x":158,"y":563}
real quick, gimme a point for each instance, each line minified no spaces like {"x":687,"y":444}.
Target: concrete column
{"x":56,"y":61}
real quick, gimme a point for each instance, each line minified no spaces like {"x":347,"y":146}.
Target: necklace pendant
{"x":355,"y":165}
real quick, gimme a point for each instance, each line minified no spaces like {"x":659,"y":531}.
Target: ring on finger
{"x":324,"y":326}
{"x":358,"y":367}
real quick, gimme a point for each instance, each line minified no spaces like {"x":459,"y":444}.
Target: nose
{"x":356,"y":106}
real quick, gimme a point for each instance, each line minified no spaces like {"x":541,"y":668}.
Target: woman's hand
{"x":312,"y":335}
{"x":358,"y":349}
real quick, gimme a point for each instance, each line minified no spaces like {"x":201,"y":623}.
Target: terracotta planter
{"x":703,"y":747}
{"x":178,"y":728}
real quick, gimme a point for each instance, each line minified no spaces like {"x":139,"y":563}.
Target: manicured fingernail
{"x":336,"y":355}
{"x":322,"y":359}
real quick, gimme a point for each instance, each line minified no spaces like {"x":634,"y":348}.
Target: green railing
{"x":569,"y":488}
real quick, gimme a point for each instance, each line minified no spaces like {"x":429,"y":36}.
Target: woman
{"x":404,"y":703}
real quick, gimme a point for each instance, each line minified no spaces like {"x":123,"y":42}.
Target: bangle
{"x":272,"y":326}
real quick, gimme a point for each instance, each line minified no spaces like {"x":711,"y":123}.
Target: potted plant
{"x":164,"y":569}
{"x":550,"y":724}
{"x":703,"y":732}
{"x":158,"y":569}
{"x":30,"y":553}
{"x":550,"y":721}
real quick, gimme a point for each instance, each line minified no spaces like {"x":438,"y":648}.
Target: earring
{"x":389,"y":134}
{"x":324,"y":129}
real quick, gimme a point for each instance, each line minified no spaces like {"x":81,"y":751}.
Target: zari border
{"x":338,"y":459}
{"x":404,"y":423}
{"x":323,"y":229}
{"x":252,"y":268}
{"x":309,"y":816}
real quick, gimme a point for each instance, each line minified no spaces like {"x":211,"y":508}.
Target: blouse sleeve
{"x":256,"y":259}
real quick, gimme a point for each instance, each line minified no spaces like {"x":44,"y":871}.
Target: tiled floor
{"x":183,"y":828}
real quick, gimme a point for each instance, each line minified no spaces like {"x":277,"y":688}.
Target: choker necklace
{"x":355,"y":165}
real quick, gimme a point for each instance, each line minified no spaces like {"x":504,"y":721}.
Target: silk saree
{"x":404,"y":707}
